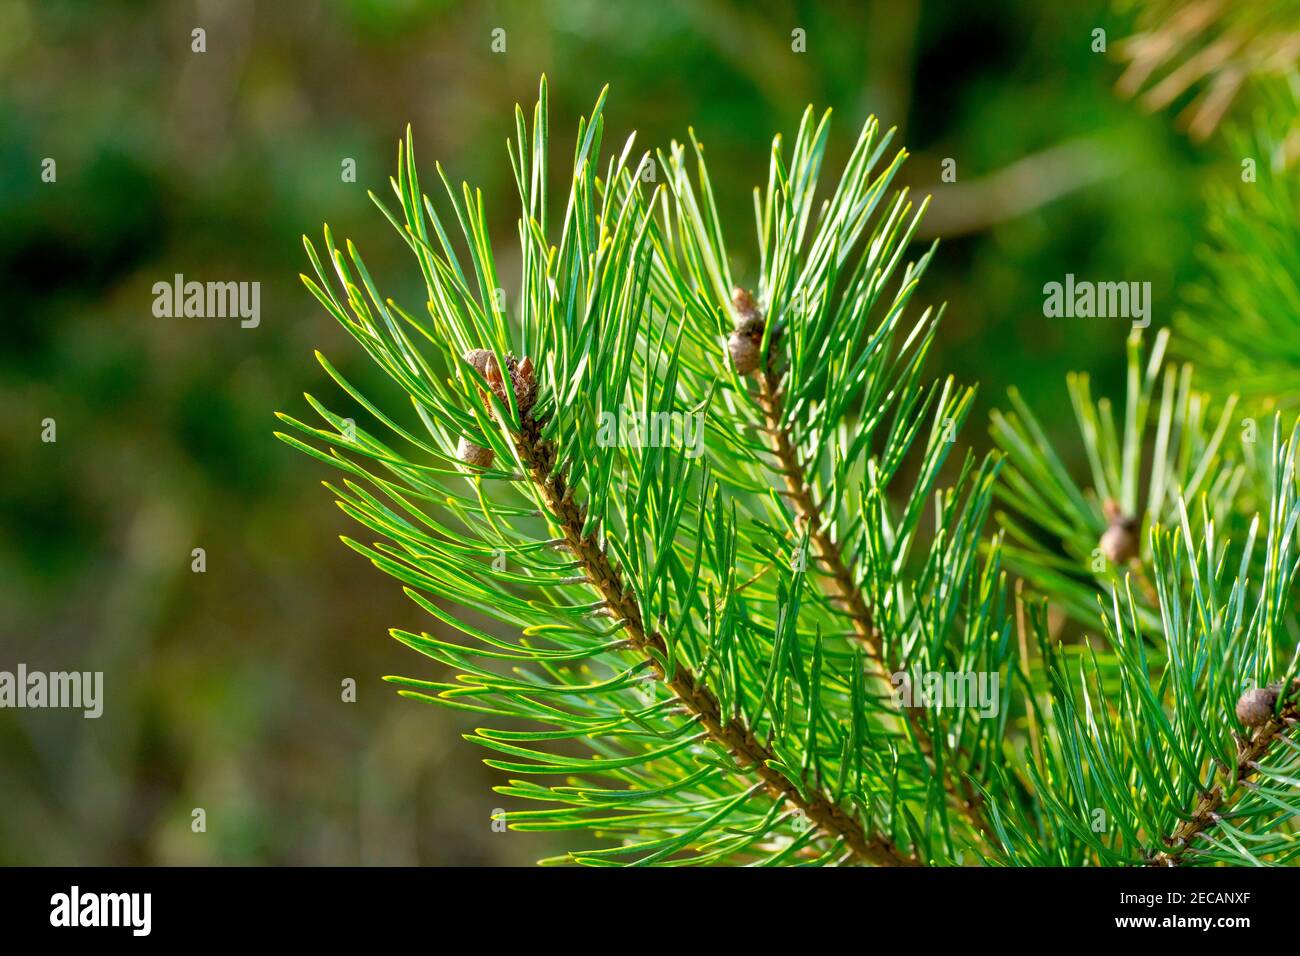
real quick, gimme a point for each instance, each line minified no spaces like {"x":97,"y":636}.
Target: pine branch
{"x":727,"y":699}
{"x":732,"y":734}
{"x":844,"y":590}
{"x":1074,"y":542}
{"x":731,"y":691}
{"x":1205,"y":815}
{"x":1136,"y":765}
{"x":844,"y":375}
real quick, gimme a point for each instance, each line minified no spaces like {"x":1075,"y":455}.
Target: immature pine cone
{"x":476,"y":456}
{"x":746,"y":341}
{"x":522,"y":377}
{"x":1119,"y":543}
{"x":1255,"y":707}
{"x":525,"y":388}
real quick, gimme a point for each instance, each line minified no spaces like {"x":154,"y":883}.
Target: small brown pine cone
{"x":1119,"y":542}
{"x":743,"y":304}
{"x":1255,"y":706}
{"x":522,"y":380}
{"x":744,"y":351}
{"x":522,"y":377}
{"x":478,"y":359}
{"x":745,"y":343}
{"x":476,"y":456}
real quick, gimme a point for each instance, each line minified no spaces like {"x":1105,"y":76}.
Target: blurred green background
{"x":223,"y":688}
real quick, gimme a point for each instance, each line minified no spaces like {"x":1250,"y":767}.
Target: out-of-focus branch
{"x":1025,"y":185}
{"x":1210,"y":44}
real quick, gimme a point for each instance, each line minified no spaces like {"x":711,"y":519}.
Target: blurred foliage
{"x":1201,"y":54}
{"x":223,"y":688}
{"x":1241,"y":323}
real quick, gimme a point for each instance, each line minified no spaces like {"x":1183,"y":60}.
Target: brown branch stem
{"x":844,"y":591}
{"x":732,"y":734}
{"x":1250,"y":750}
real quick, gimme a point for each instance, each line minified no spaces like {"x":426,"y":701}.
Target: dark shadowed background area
{"x":223,"y":688}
